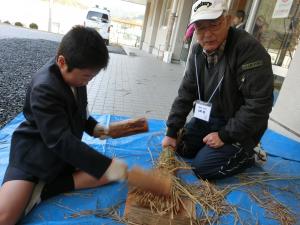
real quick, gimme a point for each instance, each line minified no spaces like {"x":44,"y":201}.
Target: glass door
{"x":244,"y":5}
{"x":277,"y":28}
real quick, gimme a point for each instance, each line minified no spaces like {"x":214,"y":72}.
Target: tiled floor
{"x":140,"y":85}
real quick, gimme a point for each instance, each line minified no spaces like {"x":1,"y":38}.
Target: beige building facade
{"x":165,"y":26}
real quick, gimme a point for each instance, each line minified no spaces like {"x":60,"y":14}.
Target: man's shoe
{"x":260,"y":155}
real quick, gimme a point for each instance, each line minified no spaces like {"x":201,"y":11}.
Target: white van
{"x":99,"y":19}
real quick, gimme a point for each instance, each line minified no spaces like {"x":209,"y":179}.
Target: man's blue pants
{"x":211,"y":163}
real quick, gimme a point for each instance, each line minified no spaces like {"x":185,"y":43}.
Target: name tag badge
{"x":202,"y":110}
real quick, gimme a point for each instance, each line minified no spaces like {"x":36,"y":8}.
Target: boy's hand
{"x":122,"y":128}
{"x":117,"y":171}
{"x":100,"y":132}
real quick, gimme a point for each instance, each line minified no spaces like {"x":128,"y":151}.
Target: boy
{"x":47,"y":156}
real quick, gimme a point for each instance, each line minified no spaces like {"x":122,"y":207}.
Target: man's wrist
{"x":224,"y":136}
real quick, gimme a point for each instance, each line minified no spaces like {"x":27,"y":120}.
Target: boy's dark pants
{"x":61,"y":184}
{"x":211,"y":163}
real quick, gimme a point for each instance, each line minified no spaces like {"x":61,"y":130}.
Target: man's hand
{"x":168,"y":141}
{"x":213,"y":140}
{"x":117,"y":171}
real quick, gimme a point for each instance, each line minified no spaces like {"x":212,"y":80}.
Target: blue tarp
{"x":142,"y":149}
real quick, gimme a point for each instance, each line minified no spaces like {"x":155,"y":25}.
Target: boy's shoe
{"x":35,"y":197}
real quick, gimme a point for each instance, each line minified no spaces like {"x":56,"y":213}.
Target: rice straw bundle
{"x":162,"y":205}
{"x":210,"y":198}
{"x":206,"y":194}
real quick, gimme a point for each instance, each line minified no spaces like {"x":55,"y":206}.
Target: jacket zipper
{"x":242,"y":81}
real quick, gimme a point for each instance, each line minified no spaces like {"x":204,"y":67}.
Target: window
{"x":97,"y":16}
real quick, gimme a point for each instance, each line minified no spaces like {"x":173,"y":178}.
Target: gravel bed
{"x":19,"y":60}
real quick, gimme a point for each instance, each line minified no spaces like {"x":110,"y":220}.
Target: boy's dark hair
{"x":83,"y":48}
{"x":240,"y":14}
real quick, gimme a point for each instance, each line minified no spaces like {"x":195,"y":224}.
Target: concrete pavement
{"x":139,"y":85}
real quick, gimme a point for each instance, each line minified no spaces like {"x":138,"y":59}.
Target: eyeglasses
{"x":212,"y":25}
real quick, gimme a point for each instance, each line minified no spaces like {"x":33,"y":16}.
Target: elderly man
{"x":229,"y":82}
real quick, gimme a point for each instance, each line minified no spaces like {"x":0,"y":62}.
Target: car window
{"x":97,"y":16}
{"x":94,"y":15}
{"x":105,"y":18}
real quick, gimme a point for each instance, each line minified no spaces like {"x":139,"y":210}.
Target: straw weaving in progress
{"x":168,"y":202}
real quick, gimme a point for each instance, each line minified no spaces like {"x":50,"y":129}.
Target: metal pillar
{"x":50,"y":15}
{"x":147,"y":10}
{"x":251,"y":17}
{"x":167,"y":50}
{"x":171,"y":22}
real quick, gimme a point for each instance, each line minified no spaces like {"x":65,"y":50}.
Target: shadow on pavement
{"x":117,"y":49}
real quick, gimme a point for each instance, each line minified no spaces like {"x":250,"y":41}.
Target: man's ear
{"x":61,"y":62}
{"x":229,"y":20}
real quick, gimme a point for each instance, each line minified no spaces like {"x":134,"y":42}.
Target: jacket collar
{"x":54,"y":69}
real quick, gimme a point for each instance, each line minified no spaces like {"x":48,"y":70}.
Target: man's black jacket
{"x":246,"y":93}
{"x":49,"y":140}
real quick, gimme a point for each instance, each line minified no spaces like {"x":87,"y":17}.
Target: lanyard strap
{"x":197,"y":78}
{"x":222,"y":70}
{"x":213,"y":94}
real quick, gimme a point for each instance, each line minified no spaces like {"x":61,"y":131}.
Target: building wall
{"x":287,"y":108}
{"x":159,"y":37}
{"x":184,"y":11}
{"x":161,"y":33}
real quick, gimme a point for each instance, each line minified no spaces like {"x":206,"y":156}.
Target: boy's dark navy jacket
{"x":49,"y":142}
